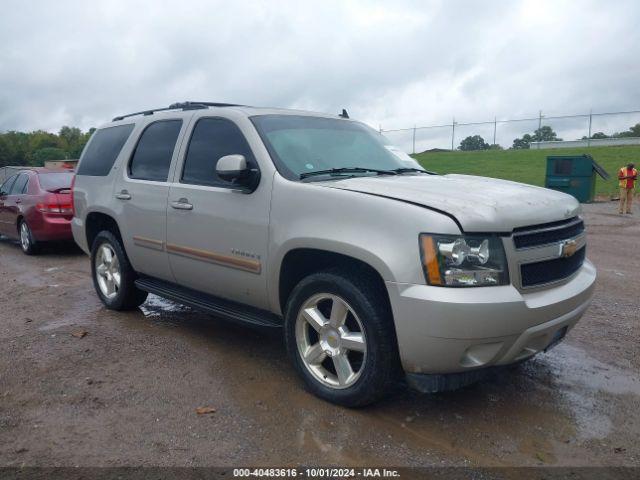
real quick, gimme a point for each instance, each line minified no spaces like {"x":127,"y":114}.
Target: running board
{"x":235,"y":312}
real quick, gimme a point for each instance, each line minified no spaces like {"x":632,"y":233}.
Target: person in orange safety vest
{"x":627,"y":177}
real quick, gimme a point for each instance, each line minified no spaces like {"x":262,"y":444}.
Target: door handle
{"x":182,"y":204}
{"x":123,"y":195}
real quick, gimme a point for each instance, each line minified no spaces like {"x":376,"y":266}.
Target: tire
{"x":27,"y":242}
{"x":376,"y":371}
{"x":114,"y":280}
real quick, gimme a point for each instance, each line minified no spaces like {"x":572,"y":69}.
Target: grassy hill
{"x":528,"y":166}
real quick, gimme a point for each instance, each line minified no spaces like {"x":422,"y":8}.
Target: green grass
{"x":529,"y":166}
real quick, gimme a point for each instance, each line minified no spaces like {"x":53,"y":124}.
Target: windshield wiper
{"x":407,"y":170}
{"x":333,"y":171}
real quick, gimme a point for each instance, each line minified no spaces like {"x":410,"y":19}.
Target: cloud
{"x":391,"y":63}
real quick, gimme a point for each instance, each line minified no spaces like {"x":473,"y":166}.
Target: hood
{"x":479,"y":204}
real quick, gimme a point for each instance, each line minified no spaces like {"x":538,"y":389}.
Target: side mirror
{"x":234,"y":169}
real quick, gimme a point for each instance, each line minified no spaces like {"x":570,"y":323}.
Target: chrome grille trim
{"x":547,"y":272}
{"x":522,"y":234}
{"x":516,"y":257}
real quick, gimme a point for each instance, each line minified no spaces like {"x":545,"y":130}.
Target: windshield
{"x":302,"y":144}
{"x":55,"y":181}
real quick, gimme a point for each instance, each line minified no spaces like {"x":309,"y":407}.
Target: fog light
{"x":471,"y":278}
{"x":479,"y":355}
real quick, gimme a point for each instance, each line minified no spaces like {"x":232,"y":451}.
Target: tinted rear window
{"x":152,"y":156}
{"x":103,"y":149}
{"x":55,"y":181}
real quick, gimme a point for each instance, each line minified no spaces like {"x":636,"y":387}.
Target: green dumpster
{"x":575,"y":175}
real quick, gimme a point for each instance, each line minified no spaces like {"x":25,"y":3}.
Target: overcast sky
{"x":390,"y":63}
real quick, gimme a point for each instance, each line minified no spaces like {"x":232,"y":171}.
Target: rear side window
{"x":6,"y":186}
{"x":152,"y":156}
{"x":212,"y":139}
{"x":103,"y":149}
{"x":20,"y":185}
{"x":55,"y":181}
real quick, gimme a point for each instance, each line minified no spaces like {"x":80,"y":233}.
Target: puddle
{"x":160,"y":309}
{"x":590,"y":422}
{"x":156,"y":305}
{"x":55,"y":324}
{"x":572,"y":365}
{"x":77,"y":313}
{"x":581,"y":380}
{"x":310,"y":438}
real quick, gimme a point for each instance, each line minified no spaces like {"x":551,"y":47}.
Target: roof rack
{"x":178,"y":106}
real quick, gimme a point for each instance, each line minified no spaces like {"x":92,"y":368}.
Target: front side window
{"x":212,"y":139}
{"x":152,"y":157}
{"x":103,"y":149}
{"x":19,"y":185}
{"x":301,"y":144}
{"x":6,"y":186}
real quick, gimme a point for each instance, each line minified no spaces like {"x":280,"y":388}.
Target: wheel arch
{"x":18,"y":222}
{"x":95,"y":222}
{"x":300,"y":262}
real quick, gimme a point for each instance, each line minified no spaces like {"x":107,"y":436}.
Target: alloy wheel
{"x":107,"y":270}
{"x":25,"y":236}
{"x":331,"y":340}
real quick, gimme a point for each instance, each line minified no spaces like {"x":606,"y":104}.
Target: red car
{"x":36,"y":206}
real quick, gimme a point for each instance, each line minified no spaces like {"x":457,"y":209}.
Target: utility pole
{"x":495,"y":125}
{"x":539,"y":127}
{"x":453,"y":132}
{"x":540,"y":120}
{"x":589,"y":135}
{"x":414,"y":138}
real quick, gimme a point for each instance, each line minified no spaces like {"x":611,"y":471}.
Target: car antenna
{"x":344,"y":114}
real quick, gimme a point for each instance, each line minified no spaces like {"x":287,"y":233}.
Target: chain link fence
{"x":448,"y":136}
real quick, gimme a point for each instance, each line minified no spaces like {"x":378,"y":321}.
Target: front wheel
{"x":113,"y":276}
{"x":340,"y":337}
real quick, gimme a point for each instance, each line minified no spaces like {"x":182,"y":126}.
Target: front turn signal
{"x":430,"y":260}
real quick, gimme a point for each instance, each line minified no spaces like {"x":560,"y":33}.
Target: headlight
{"x":463,"y":261}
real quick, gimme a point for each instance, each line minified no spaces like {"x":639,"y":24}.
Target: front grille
{"x":548,"y":271}
{"x":548,"y":233}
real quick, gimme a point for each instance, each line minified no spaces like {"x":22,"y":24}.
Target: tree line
{"x":543,"y":134}
{"x":34,"y":148}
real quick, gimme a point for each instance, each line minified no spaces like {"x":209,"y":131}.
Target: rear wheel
{"x":340,"y":337}
{"x":113,"y":276}
{"x":27,"y":242}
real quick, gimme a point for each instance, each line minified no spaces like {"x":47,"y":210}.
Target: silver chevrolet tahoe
{"x":377,"y":270}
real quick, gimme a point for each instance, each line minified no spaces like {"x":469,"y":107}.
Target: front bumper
{"x":451,"y":330}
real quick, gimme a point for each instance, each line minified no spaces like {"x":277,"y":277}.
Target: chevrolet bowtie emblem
{"x":568,"y":248}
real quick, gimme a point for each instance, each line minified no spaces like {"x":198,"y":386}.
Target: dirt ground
{"x":126,"y":393}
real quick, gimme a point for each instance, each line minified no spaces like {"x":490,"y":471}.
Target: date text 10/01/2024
{"x":317,"y":472}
